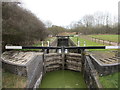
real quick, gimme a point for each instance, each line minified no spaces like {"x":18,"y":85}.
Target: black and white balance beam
{"x":85,"y":47}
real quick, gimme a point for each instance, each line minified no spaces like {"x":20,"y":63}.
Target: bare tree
{"x":88,"y":20}
{"x":99,"y":18}
{"x":98,"y":23}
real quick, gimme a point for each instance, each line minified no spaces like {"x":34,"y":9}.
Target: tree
{"x":55,"y":30}
{"x":99,"y":23}
{"x":88,"y":20}
{"x":20,"y":26}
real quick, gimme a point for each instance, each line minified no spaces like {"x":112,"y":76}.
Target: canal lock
{"x":39,"y":64}
{"x":75,"y":62}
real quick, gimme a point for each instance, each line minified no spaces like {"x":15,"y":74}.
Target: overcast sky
{"x":63,"y":12}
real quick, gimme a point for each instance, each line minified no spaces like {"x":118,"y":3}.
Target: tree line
{"x":20,"y":26}
{"x":98,"y":23}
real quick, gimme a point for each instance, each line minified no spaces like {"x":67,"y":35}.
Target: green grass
{"x":63,"y":79}
{"x":88,"y":43}
{"x":113,"y":38}
{"x":110,"y":81}
{"x":10,"y":80}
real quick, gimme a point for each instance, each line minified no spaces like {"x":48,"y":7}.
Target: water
{"x":63,"y":79}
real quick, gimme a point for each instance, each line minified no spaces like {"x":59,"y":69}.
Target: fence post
{"x":103,"y":42}
{"x":99,"y":40}
{"x":95,"y":39}
{"x":109,"y":42}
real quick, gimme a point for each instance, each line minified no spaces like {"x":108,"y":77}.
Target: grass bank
{"x":110,"y":81}
{"x":87,"y":42}
{"x":113,"y":38}
{"x":10,"y":80}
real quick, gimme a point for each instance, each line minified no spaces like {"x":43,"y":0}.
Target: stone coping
{"x":18,"y":58}
{"x":104,"y":64}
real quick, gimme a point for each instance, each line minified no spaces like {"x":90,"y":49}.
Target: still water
{"x":63,"y":79}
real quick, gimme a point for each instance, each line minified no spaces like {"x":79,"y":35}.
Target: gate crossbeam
{"x":73,"y":47}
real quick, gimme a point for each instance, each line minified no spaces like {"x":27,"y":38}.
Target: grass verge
{"x":110,"y":81}
{"x":113,"y":38}
{"x":10,"y":80}
{"x":88,"y":43}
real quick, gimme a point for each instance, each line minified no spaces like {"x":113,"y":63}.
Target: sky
{"x":63,"y":12}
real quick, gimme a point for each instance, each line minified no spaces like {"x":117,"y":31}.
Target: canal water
{"x":63,"y":79}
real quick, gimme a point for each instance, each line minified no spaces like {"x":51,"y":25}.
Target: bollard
{"x":48,"y":42}
{"x":42,"y":43}
{"x":78,"y":43}
{"x":66,"y":50}
{"x":84,"y":43}
{"x":59,"y":50}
